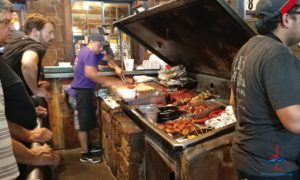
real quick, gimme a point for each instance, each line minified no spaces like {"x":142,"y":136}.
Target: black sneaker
{"x":93,"y":148}
{"x":88,"y":157}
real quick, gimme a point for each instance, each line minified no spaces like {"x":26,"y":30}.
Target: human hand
{"x":43,"y":156}
{"x":41,"y":135}
{"x":43,"y":84}
{"x":119,"y":71}
{"x":41,"y":111}
{"x":42,"y":92}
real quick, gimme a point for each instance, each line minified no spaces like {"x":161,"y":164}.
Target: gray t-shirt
{"x":265,"y":77}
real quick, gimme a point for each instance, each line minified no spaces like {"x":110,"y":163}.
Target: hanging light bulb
{"x":16,"y":22}
{"x":86,"y":6}
{"x":17,"y":25}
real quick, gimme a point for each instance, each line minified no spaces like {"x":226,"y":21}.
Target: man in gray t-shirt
{"x":265,"y":95}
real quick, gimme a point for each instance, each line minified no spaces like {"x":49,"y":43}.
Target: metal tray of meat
{"x":203,"y":109}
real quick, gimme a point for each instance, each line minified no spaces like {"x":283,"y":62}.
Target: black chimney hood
{"x":203,"y":35}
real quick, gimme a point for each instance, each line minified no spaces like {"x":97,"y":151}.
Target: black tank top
{"x":13,"y":53}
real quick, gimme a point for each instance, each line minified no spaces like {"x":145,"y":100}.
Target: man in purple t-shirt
{"x":86,"y":76}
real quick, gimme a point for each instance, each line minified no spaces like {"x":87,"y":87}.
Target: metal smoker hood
{"x":203,"y":35}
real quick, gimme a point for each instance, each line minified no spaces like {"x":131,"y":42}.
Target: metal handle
{"x":35,"y":172}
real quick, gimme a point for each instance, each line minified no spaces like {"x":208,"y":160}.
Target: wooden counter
{"x":61,"y":116}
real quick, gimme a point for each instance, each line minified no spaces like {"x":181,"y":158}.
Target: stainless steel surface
{"x":170,"y":141}
{"x":35,"y":173}
{"x":57,"y":69}
{"x":202,"y":35}
{"x":150,"y":112}
{"x":52,"y":72}
{"x":142,"y":72}
{"x":217,"y":86}
{"x":164,"y":136}
{"x":58,"y":75}
{"x":70,"y":75}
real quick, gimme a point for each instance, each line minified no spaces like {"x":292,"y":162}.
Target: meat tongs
{"x":123,"y":79}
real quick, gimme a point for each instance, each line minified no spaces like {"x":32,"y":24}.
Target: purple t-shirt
{"x":70,"y":91}
{"x":85,"y":58}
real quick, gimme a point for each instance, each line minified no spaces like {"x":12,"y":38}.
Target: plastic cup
{"x":129,"y":64}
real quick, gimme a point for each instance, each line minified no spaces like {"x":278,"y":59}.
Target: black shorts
{"x":86,"y":106}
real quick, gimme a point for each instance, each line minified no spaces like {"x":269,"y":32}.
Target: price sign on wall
{"x":250,"y":4}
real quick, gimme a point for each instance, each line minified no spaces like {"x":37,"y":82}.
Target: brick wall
{"x":123,"y":144}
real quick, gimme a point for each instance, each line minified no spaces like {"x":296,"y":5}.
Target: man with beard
{"x":17,"y":106}
{"x":24,"y":55}
{"x":265,"y":96}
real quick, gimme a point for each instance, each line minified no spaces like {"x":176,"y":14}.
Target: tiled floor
{"x":72,"y":169}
